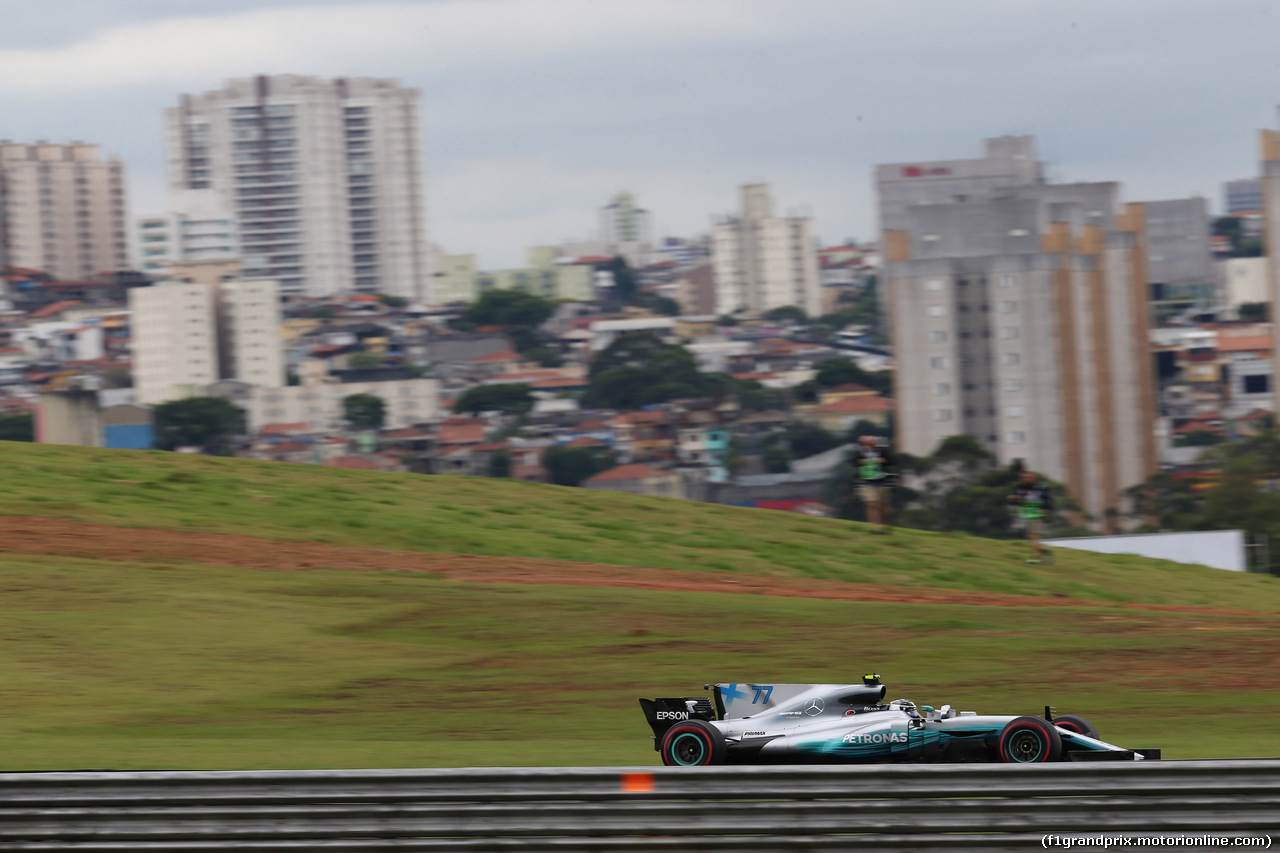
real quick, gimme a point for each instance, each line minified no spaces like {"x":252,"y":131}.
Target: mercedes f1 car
{"x":847,"y":723}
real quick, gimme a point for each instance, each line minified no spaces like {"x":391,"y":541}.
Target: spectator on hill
{"x":1034,"y":502}
{"x":873,"y":466}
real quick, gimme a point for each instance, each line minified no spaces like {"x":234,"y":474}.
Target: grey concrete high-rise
{"x":324,"y":178}
{"x":1179,"y":252}
{"x":1018,"y":316}
{"x":62,"y":210}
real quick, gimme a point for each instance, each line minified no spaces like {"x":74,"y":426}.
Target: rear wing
{"x":662,"y":714}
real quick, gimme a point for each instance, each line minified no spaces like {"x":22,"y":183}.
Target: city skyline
{"x":536,"y":112}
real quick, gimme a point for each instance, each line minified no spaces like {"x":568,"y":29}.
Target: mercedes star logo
{"x":814,"y":708}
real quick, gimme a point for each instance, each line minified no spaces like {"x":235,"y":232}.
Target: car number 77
{"x":766,"y":689}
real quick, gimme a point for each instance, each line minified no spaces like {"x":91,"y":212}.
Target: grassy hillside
{"x":173,"y":663}
{"x":116,"y":666}
{"x":506,"y":518}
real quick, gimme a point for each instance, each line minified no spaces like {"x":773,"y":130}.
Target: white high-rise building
{"x":760,"y":261}
{"x":62,"y":210}
{"x":323,"y":177}
{"x":249,"y":346}
{"x":175,"y":349}
{"x":188,"y":335}
{"x":198,"y":227}
{"x":621,"y":221}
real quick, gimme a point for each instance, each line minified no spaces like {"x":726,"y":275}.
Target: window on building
{"x":1009,"y":333}
{"x":941,"y":362}
{"x":1008,"y":307}
{"x":1006,"y":281}
{"x":1016,"y":437}
{"x":1013,"y":385}
{"x":933,"y":284}
{"x":937,"y":311}
{"x":1257,"y":384}
{"x":937,"y":337}
{"x":1013,"y":411}
{"x":942,"y":414}
{"x":941,"y":389}
{"x":1011,"y":358}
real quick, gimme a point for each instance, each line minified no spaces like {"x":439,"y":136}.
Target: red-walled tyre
{"x":1079,"y":725}
{"x":1029,"y":740}
{"x":693,"y":743}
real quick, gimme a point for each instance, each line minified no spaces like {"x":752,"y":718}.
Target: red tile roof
{"x":471,"y":432}
{"x":849,"y":388}
{"x":853,"y":406}
{"x":281,"y":429}
{"x":353,"y":462}
{"x":407,"y":432}
{"x":559,"y":382}
{"x":500,"y":355}
{"x":591,"y":426}
{"x":1243,"y":343}
{"x":1254,"y":415}
{"x":587,"y":441}
{"x":55,"y":308}
{"x":288,"y":447}
{"x":634,"y":471}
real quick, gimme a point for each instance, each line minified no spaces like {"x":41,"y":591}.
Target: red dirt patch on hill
{"x":20,"y":535}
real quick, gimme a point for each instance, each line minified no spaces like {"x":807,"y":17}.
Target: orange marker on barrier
{"x":637,"y":783}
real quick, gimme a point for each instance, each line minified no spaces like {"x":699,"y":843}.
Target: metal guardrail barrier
{"x":895,"y":807}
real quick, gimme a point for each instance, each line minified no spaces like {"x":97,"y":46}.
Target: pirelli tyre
{"x":1079,"y":725}
{"x":693,"y":743}
{"x":1029,"y":740}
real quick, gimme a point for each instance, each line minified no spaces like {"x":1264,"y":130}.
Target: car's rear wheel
{"x":1079,"y":725}
{"x":1029,"y":740}
{"x":693,"y":743}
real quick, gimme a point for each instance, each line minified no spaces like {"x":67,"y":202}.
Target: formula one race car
{"x":846,"y":723}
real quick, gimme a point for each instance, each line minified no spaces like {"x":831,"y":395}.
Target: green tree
{"x":500,"y":464}
{"x":569,"y":466}
{"x":640,"y":369}
{"x":19,"y":427}
{"x":510,"y":398}
{"x":364,"y":411}
{"x":625,"y":285}
{"x":1199,"y":438}
{"x":657,"y":304}
{"x":787,"y":314}
{"x":508,"y":308}
{"x":324,"y":312}
{"x":393,"y":301}
{"x":1257,"y":312}
{"x":776,"y":458}
{"x":363,"y":360}
{"x":208,"y":422}
{"x":839,"y":371}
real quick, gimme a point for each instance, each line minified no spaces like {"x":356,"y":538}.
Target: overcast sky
{"x":537,"y":111}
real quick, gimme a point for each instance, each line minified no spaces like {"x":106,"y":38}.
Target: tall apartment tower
{"x":1270,"y":185}
{"x":188,"y":335}
{"x":622,"y":221}
{"x":760,"y":261}
{"x":175,"y":347}
{"x":324,"y":178}
{"x":1019,"y":316}
{"x":62,"y":210}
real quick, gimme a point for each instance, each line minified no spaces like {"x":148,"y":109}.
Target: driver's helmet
{"x":905,"y":705}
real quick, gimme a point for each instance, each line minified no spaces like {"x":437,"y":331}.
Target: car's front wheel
{"x":693,"y":743}
{"x":1079,"y":725}
{"x":1029,"y":740}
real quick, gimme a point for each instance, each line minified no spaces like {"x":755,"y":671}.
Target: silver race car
{"x":847,"y":723}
